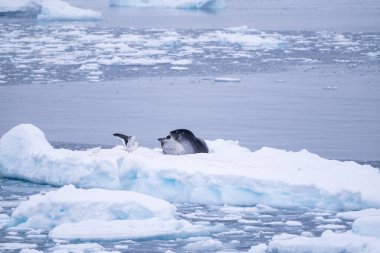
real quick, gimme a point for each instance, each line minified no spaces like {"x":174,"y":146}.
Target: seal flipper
{"x":124,"y":137}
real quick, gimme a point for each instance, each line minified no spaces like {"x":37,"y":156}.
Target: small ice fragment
{"x":226,"y":79}
{"x":330,"y":88}
{"x":178,"y":68}
{"x":182,"y":62}
{"x":293,"y":223}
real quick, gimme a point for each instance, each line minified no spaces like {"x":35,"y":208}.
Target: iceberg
{"x":46,"y":10}
{"x":97,"y":214}
{"x":229,"y":174}
{"x":173,"y":4}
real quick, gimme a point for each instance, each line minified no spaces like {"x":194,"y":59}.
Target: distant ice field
{"x":41,"y":53}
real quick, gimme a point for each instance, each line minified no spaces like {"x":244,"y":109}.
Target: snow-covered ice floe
{"x":98,"y":214}
{"x":46,"y":10}
{"x":229,"y":174}
{"x":172,"y":4}
{"x":328,"y":242}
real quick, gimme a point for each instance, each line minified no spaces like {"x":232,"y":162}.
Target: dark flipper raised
{"x":123,"y":137}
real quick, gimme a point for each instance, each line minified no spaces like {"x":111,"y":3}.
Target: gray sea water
{"x":310,"y":80}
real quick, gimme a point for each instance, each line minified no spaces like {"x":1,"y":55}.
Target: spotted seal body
{"x":182,"y":142}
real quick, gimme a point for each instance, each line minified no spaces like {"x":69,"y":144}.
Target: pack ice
{"x":46,"y":10}
{"x":229,"y":174}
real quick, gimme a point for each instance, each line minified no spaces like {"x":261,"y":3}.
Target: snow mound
{"x":229,"y":174}
{"x":97,"y":214}
{"x":46,"y":10}
{"x":172,"y":4}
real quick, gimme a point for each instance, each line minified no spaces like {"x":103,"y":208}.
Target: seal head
{"x":183,"y":141}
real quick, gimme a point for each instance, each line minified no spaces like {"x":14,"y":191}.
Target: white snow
{"x":229,"y":174}
{"x":48,"y":10}
{"x":178,"y":4}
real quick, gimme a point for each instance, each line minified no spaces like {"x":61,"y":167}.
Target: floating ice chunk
{"x":182,"y":62}
{"x":134,"y":61}
{"x":248,"y":40}
{"x":260,"y":248}
{"x":97,"y":214}
{"x":373,"y":54}
{"x":121,"y":247}
{"x":178,"y":68}
{"x":47,"y":10}
{"x":89,"y":66}
{"x":328,"y":242}
{"x":20,"y":7}
{"x":293,"y":223}
{"x":179,"y":4}
{"x":331,"y":226}
{"x":60,"y":10}
{"x":70,"y":204}
{"x":307,"y":234}
{"x":367,"y":226}
{"x":15,"y":245}
{"x":4,"y":219}
{"x":204,"y":245}
{"x":284,"y":236}
{"x":330,"y":88}
{"x":229,"y":174}
{"x":79,"y":247}
{"x":226,"y":79}
{"x":30,"y":251}
{"x":352,"y":215}
{"x":126,"y":229}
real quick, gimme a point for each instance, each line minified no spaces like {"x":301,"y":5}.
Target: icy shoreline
{"x":230,"y":174}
